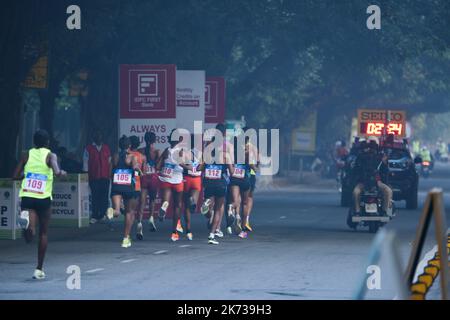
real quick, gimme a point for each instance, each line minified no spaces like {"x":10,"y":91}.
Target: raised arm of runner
{"x":52,"y":162}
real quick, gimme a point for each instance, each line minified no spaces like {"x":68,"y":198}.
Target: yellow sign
{"x":37,"y":77}
{"x":303,"y":140}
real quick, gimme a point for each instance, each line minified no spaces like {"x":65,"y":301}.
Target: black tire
{"x":374,"y":226}
{"x":412,"y":200}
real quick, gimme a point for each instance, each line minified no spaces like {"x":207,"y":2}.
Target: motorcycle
{"x":441,"y":156}
{"x":425,"y":169}
{"x":371,"y":211}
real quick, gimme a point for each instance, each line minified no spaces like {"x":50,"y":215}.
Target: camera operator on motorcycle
{"x":371,"y":169}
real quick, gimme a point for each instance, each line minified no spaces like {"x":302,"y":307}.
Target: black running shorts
{"x":243,"y":184}
{"x":38,"y":205}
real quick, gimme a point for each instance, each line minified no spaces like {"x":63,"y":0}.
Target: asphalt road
{"x":301,"y":248}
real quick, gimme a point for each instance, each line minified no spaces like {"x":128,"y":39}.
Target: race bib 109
{"x":35,"y":183}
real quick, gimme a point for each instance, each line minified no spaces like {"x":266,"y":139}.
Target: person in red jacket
{"x":97,"y":163}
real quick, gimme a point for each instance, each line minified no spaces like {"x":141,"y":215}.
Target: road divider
{"x":426,"y":279}
{"x":438,"y":265}
{"x":415,"y":284}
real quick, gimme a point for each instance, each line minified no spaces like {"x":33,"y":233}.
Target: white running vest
{"x":171,"y":171}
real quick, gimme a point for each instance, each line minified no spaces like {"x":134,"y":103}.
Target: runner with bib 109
{"x":36,"y":169}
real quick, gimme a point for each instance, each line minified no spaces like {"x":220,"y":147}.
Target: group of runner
{"x":179,"y":174}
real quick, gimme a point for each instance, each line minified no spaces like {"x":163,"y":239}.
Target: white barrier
{"x":9,"y":209}
{"x":70,"y":205}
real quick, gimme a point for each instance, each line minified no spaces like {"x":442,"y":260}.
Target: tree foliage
{"x":281,"y":58}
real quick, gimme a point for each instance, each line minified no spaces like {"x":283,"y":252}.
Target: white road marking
{"x":95,"y":270}
{"x":128,"y":260}
{"x":160,"y":252}
{"x":185,"y":246}
{"x":283,"y":217}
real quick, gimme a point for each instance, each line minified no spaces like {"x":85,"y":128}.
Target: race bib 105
{"x":123,"y":177}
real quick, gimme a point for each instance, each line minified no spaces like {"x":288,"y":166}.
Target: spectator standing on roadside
{"x":97,"y":163}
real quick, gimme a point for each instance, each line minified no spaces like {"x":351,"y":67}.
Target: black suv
{"x":403,"y":177}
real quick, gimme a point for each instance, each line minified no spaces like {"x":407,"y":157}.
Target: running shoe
{"x":151,"y":222}
{"x":39,"y":274}
{"x":162,"y":211}
{"x":248,"y":227}
{"x":140,"y":233}
{"x":179,"y":226}
{"x":229,"y":230}
{"x":193,"y":205}
{"x":218,"y":234}
{"x":110,"y":213}
{"x":24,"y":219}
{"x":189,"y":236}
{"x":243,"y":235}
{"x":175,"y":237}
{"x":126,"y":242}
{"x":205,"y":206}
{"x":211,"y":240}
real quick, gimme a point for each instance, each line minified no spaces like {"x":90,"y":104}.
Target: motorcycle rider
{"x":416,"y":147}
{"x":426,"y":156}
{"x":371,"y":166}
{"x":442,"y":150}
{"x":340,"y":155}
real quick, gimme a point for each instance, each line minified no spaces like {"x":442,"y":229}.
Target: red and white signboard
{"x":214,"y":100}
{"x":138,"y":127}
{"x":190,"y":98}
{"x":147,"y":91}
{"x":147,"y":100}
